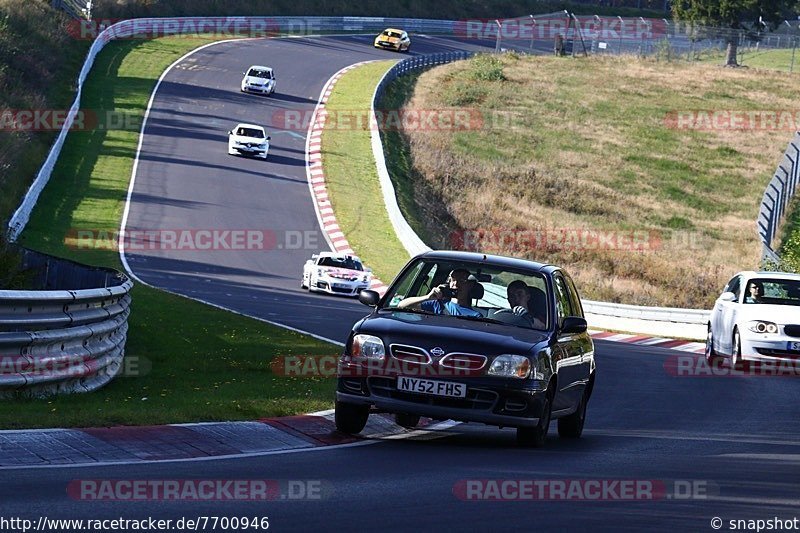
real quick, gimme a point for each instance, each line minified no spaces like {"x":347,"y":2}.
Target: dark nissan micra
{"x":472,"y":338}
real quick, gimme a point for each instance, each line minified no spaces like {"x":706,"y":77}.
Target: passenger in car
{"x":461,"y":283}
{"x":528,"y":302}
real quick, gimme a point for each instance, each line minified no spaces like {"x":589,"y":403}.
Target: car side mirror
{"x":269,"y":138}
{"x":368,"y":270}
{"x":574,"y":324}
{"x":727,"y":297}
{"x":230,"y":132}
{"x":369,"y":297}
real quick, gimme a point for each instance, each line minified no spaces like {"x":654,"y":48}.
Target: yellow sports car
{"x":392,"y":39}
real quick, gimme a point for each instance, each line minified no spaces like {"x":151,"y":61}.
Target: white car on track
{"x":248,"y":139}
{"x":259,"y":80}
{"x":756,"y":318}
{"x":335,"y":274}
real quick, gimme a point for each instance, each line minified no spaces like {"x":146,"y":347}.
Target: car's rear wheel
{"x":712,"y":357}
{"x":350,"y":418}
{"x":535,"y":437}
{"x":406,"y":420}
{"x":571,"y":426}
{"x":736,"y":351}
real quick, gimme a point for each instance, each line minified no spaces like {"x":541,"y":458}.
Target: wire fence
{"x":564,"y":33}
{"x":78,"y":9}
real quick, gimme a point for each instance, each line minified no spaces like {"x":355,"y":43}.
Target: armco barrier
{"x":408,"y":237}
{"x":776,"y":198}
{"x":650,"y":320}
{"x":69,"y":337}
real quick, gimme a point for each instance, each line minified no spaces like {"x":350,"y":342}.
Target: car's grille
{"x":793,"y":330}
{"x":463,"y":361}
{"x":477,"y":399}
{"x":410,"y":354}
{"x":347,"y":290}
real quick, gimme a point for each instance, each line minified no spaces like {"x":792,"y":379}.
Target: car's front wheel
{"x":350,"y":418}
{"x":712,"y":357}
{"x":535,"y":437}
{"x":571,"y":426}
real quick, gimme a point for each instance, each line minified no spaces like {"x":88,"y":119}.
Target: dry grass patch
{"x":587,"y":144}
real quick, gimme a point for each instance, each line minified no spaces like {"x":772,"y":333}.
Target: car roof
{"x":394,"y":30}
{"x":256,"y":126}
{"x":749,"y":274}
{"x":493,"y":260}
{"x":259,"y":67}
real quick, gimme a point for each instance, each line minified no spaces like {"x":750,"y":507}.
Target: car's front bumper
{"x":260,"y":89}
{"x":335,"y":286}
{"x":766,"y":348}
{"x":486,"y":401}
{"x":251,"y":151}
{"x":387,"y":45}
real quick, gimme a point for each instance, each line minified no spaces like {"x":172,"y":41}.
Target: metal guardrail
{"x":776,"y":198}
{"x":78,"y":9}
{"x":67,"y":340}
{"x":408,"y":237}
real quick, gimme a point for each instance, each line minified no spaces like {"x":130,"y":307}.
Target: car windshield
{"x":250,"y":132}
{"x":391,"y":34}
{"x":257,"y":73}
{"x":481,"y":292}
{"x":340,"y":262}
{"x":772,"y":291}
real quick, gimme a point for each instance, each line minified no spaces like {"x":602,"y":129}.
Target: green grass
{"x":770,"y":59}
{"x":194,"y":362}
{"x":351,"y":176}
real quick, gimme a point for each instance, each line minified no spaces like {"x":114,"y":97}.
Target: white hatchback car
{"x":335,"y":274}
{"x":259,"y":80}
{"x":248,"y":139}
{"x":756,"y":318}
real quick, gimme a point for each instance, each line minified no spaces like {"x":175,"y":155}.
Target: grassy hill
{"x":561,"y":147}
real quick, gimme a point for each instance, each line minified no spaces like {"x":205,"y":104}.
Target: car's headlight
{"x":510,"y":366}
{"x":762,"y":326}
{"x":368,"y":347}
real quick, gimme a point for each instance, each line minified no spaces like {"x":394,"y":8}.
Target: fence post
{"x":794,"y":49}
{"x":621,"y":25}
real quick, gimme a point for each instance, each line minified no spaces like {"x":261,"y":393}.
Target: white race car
{"x":248,"y":139}
{"x":259,"y":80}
{"x":756,"y":318}
{"x":335,"y":274}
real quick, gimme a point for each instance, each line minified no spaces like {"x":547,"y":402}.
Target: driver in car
{"x":460,"y":283}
